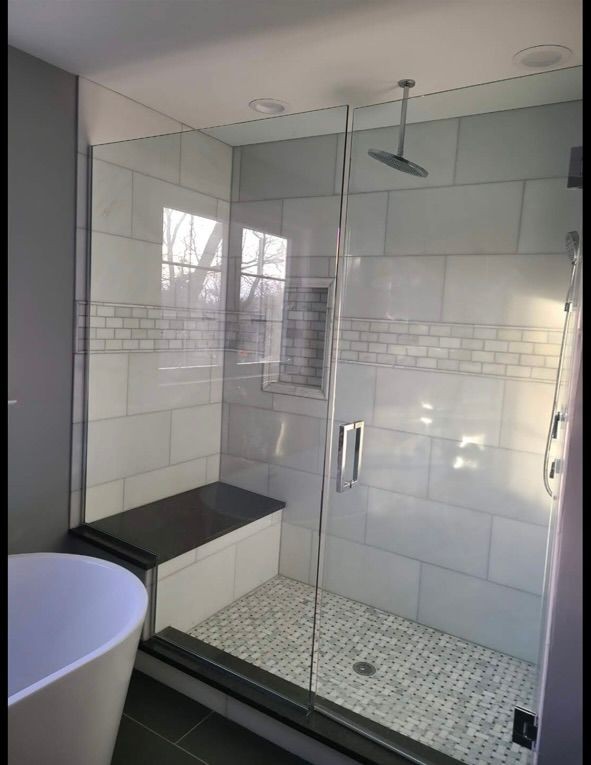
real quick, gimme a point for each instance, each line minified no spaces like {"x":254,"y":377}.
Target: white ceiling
{"x":202,"y":61}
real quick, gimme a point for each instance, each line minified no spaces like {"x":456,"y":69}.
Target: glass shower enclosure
{"x":319,"y":392}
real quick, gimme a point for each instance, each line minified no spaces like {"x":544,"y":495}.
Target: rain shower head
{"x":397,"y":161}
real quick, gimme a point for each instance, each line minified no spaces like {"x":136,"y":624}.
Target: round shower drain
{"x":364,"y":668}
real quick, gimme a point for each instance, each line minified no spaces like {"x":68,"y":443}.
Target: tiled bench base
{"x":197,"y":584}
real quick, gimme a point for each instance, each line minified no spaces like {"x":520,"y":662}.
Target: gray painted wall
{"x":41,"y":249}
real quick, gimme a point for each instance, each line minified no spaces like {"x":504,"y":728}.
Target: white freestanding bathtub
{"x":73,"y":628}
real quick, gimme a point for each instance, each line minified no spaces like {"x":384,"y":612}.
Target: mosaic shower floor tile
{"x":452,"y":695}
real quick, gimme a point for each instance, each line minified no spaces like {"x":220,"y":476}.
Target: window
{"x":191,"y":260}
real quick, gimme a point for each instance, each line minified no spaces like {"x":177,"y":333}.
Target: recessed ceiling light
{"x":542,"y":56}
{"x":267,"y":106}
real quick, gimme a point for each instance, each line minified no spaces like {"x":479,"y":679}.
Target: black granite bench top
{"x":172,"y":526}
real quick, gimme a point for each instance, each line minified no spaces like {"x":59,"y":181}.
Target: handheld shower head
{"x":573,"y":246}
{"x":397,"y":161}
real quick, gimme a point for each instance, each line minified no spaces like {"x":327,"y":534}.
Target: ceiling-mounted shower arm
{"x":397,"y":161}
{"x":406,"y":85}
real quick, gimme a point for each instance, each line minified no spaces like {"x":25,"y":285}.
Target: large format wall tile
{"x":111,"y":199}
{"x":165,"y":482}
{"x":243,"y":382}
{"x":125,"y":270}
{"x":168,"y":380}
{"x":439,"y":404}
{"x":103,"y":500}
{"x":365,"y":232}
{"x":297,"y":168}
{"x":158,"y":156}
{"x":395,"y":461}
{"x":245,"y":473}
{"x":283,"y":439}
{"x":262,"y":216}
{"x":372,"y":576}
{"x":521,"y":290}
{"x":300,"y":405}
{"x":526,"y":415}
{"x":518,"y":554}
{"x":107,"y":385}
{"x":475,"y":219}
{"x":345,"y":515}
{"x":295,"y":559}
{"x":355,"y":393}
{"x":498,"y":481}
{"x":447,"y":536}
{"x":394,"y":288}
{"x":518,"y":143}
{"x":311,"y":226}
{"x":430,"y":144}
{"x":301,"y":491}
{"x":195,"y":432}
{"x":127,"y":445}
{"x":550,"y":211}
{"x":498,"y":617}
{"x":206,"y":164}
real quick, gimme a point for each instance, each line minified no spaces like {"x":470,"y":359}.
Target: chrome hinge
{"x":525,"y":727}
{"x":558,"y":418}
{"x":554,"y":468}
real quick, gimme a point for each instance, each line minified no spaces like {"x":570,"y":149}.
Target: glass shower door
{"x":436,"y":526}
{"x":209,"y":321}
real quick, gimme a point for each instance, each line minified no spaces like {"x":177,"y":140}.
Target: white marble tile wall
{"x":449,"y":523}
{"x":103,"y":116}
{"x":154,"y":397}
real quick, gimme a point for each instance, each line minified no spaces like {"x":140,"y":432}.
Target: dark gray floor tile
{"x":222,"y":742}
{"x":137,"y":745}
{"x":162,"y":709}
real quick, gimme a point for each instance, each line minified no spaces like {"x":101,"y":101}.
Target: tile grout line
{"x":441,"y":566}
{"x":207,"y":716}
{"x":419,"y":591}
{"x":160,"y":736}
{"x":457,"y":151}
{"x":443,"y":289}
{"x":520,"y":221}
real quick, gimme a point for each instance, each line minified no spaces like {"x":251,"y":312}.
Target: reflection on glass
{"x":286,"y":320}
{"x":263,"y":254}
{"x":191,"y":260}
{"x":262,"y":285}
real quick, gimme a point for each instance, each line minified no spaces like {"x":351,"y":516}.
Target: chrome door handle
{"x":344,"y":430}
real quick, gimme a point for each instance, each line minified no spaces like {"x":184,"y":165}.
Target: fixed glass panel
{"x":452,"y":293}
{"x":212,"y":280}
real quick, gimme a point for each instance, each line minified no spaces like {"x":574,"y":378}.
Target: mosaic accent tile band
{"x":108,"y":327}
{"x":455,"y":696}
{"x":499,"y":351}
